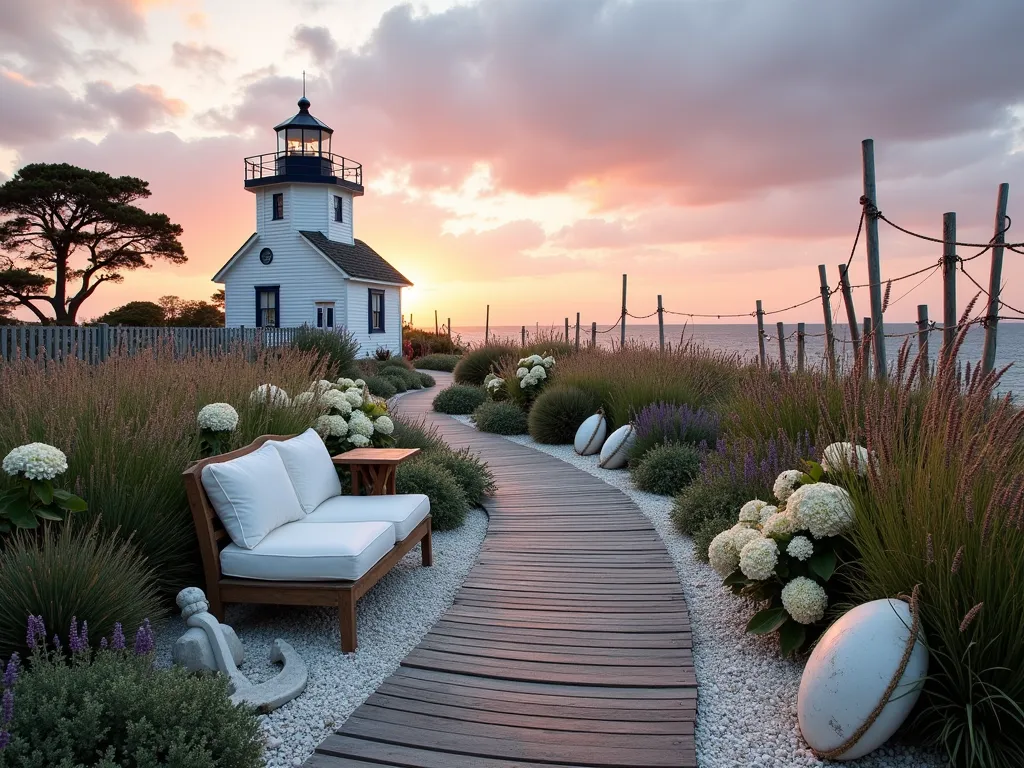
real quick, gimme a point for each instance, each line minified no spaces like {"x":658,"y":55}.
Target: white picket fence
{"x":94,"y":343}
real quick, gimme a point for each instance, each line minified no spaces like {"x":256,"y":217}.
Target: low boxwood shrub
{"x":409,"y":377}
{"x":72,"y":571}
{"x":472,"y":474}
{"x":707,"y":507}
{"x":477,"y":363}
{"x":396,"y":380}
{"x":448,"y":504}
{"x":380,"y":386}
{"x":500,"y":418}
{"x":112,"y":708}
{"x":459,"y":399}
{"x":426,"y":380}
{"x":558,"y":412}
{"x":437,"y":362}
{"x":666,"y":469}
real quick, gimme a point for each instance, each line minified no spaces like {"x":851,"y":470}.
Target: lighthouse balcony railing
{"x":299,"y":164}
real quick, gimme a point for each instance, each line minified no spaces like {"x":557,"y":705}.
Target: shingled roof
{"x":358,"y":260}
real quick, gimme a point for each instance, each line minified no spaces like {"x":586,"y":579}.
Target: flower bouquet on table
{"x":352,"y":418}
{"x":786,"y":555}
{"x":34,"y":467}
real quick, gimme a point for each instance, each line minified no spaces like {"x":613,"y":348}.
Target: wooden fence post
{"x":760,"y":334}
{"x":577,"y":331}
{"x":851,"y":312}
{"x":622,"y":330}
{"x":780,"y":328}
{"x":874,"y":260}
{"x":988,"y":360}
{"x":661,"y":325}
{"x":567,"y":330}
{"x":922,"y":340}
{"x":487,"y":325}
{"x":801,"y":332}
{"x":449,"y":329}
{"x":104,"y":339}
{"x":948,"y":282}
{"x":523,"y":335}
{"x":826,"y":308}
{"x":437,"y":330}
{"x":593,"y":335}
{"x":867,"y":347}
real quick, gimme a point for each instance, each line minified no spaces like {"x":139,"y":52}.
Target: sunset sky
{"x":526,"y":153}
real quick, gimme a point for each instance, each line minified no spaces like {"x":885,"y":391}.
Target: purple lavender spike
{"x":11,"y":671}
{"x":117,"y":642}
{"x":8,"y":706}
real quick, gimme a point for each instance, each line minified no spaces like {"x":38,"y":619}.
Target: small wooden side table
{"x":374,"y":468}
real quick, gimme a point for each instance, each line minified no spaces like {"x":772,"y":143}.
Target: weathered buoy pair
{"x":590,"y":439}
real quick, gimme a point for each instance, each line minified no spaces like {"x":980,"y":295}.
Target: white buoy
{"x":848,"y":673}
{"x":615,"y":451}
{"x":591,"y":434}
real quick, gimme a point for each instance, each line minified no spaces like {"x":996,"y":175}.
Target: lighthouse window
{"x":339,"y":208}
{"x":268,"y":299}
{"x":279,"y":205}
{"x":376,"y":311}
{"x":325,"y":314}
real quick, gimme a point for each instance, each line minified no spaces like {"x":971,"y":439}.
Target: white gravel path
{"x":746,"y":706}
{"x":392,"y":618}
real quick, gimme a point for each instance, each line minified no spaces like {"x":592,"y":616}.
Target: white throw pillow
{"x":310,"y":468}
{"x":252,"y":495}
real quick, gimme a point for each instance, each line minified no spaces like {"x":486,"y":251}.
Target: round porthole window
{"x":266,"y":255}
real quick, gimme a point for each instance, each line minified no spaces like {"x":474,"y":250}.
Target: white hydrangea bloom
{"x":751,"y":511}
{"x":786,"y":483}
{"x":270,"y":393}
{"x":303,"y":398}
{"x":742,"y":535}
{"x":217,"y":417}
{"x":779,"y":524}
{"x":839,"y":456}
{"x":805,"y":600}
{"x":822,"y":508}
{"x":354,"y":398}
{"x":331,"y":426}
{"x":384,"y":425}
{"x":548,"y":361}
{"x":495,"y":383}
{"x":766,"y":512}
{"x":758,"y":558}
{"x":359,"y":424}
{"x":359,"y":383}
{"x":36,"y":461}
{"x":522,"y":371}
{"x":535,"y":360}
{"x":346,"y":383}
{"x":800,"y":547}
{"x":722,"y":554}
{"x":335,"y":400}
{"x":321,"y":386}
{"x":359,"y":441}
{"x":528,"y":381}
{"x":539,"y":372}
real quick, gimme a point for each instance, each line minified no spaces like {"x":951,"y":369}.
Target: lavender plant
{"x":662,"y":422}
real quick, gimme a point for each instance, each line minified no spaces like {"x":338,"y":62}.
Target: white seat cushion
{"x":310,"y":468}
{"x":252,"y":495}
{"x":299,"y":552}
{"x":405,"y":511}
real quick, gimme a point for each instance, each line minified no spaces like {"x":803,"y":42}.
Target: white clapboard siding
{"x":304,"y":277}
{"x":339,"y":232}
{"x":359,"y":319}
{"x":306,"y":207}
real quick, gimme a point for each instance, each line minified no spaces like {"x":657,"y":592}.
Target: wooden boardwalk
{"x":568,"y":643}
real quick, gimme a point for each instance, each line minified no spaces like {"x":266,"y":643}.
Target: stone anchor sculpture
{"x":210,"y":645}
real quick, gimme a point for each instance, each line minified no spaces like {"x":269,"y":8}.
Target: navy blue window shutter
{"x":369,"y":310}
{"x":319,"y":317}
{"x":330,"y":317}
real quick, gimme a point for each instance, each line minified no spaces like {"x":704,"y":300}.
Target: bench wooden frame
{"x":221,"y":589}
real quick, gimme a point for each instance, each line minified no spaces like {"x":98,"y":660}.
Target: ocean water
{"x":741,"y":339}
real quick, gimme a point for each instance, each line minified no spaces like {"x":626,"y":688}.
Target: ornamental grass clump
{"x":767,"y":401}
{"x":500,"y":418}
{"x":334,"y":350}
{"x":558,"y":413}
{"x":474,"y":366}
{"x":659,"y":423}
{"x":68,"y":571}
{"x":941,"y":505}
{"x":459,"y":399}
{"x":70,"y":705}
{"x":666,"y":468}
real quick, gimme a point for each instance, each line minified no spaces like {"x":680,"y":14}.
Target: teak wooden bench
{"x":221,"y":589}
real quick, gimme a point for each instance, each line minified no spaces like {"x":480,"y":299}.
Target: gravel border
{"x":392,"y":619}
{"x":746,"y":712}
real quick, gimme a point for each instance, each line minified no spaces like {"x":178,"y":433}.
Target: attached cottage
{"x":303,"y":265}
